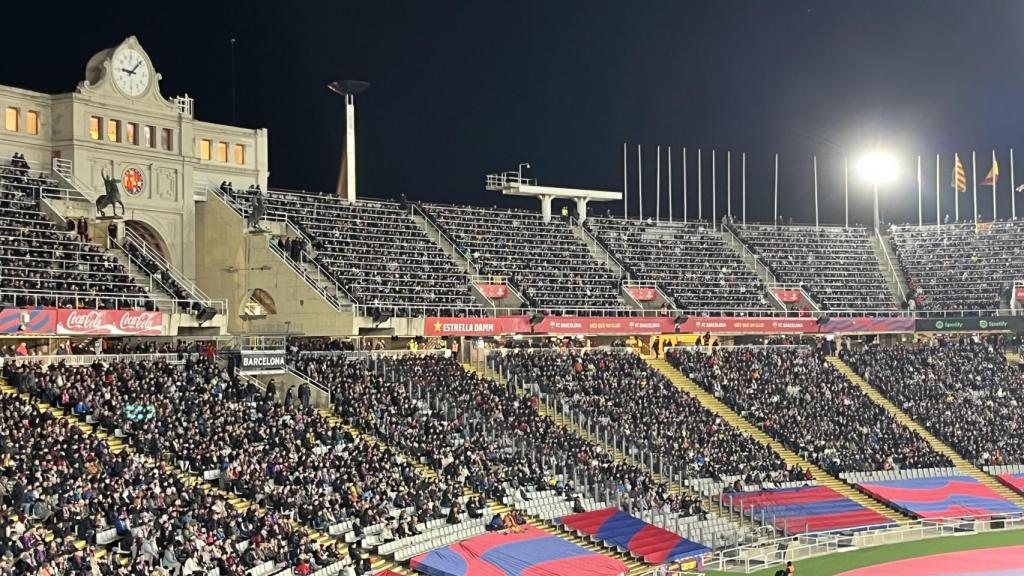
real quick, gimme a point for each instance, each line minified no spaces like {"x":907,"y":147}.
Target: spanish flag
{"x":993,"y":174}
{"x":959,"y":176}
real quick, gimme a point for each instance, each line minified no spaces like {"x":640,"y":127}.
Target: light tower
{"x":878,"y":167}
{"x":348,"y":89}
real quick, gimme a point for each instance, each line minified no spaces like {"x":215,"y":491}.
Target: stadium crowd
{"x":795,"y":395}
{"x":964,"y":392}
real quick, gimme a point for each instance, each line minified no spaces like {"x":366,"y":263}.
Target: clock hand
{"x":137,"y":64}
{"x":130,"y":72}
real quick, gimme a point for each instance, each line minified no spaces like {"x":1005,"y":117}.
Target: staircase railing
{"x":331,"y":299}
{"x":177,"y":275}
{"x":64,"y":168}
{"x":892,"y":268}
{"x":573,"y":222}
{"x":443,"y":235}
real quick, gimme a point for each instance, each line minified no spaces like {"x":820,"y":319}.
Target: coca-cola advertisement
{"x":110,"y":322}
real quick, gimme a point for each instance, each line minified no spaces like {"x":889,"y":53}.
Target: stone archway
{"x":150,"y":236}
{"x":258,"y":303}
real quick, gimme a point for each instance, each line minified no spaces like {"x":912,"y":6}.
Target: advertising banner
{"x":263,"y":361}
{"x":971,"y":324}
{"x":643,"y":294}
{"x":493,"y":291}
{"x":28,"y":321}
{"x":869,"y":325}
{"x":446,"y":326}
{"x":605,"y":325}
{"x":109,"y":322}
{"x":732,"y":325}
{"x":787,"y":296}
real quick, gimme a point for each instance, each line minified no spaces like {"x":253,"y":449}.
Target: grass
{"x":838,"y":563}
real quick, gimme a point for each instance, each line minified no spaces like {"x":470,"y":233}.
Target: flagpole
{"x":669,"y":160}
{"x":728,"y":184}
{"x":776,"y":190}
{"x":938,"y":196}
{"x":920,"y":216}
{"x":995,"y":184}
{"x":657,"y":188}
{"x":816,"y":192}
{"x":744,"y":188}
{"x":686,"y":204}
{"x":625,"y":180}
{"x":956,"y":190}
{"x":974,"y":181}
{"x":640,"y":181}
{"x":846,"y":190}
{"x":1013,"y":190}
{"x":700,"y":188}
{"x":714,"y":191}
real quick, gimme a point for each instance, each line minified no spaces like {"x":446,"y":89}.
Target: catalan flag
{"x":993,"y":175}
{"x":959,"y":176}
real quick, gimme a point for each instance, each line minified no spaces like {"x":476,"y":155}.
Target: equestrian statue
{"x":112,"y":198}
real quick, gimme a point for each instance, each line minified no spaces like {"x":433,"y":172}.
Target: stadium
{"x":206,"y":373}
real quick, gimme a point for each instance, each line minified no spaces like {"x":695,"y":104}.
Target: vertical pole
{"x":974,"y":182}
{"x":640,"y":181}
{"x":625,"y":181}
{"x":714,"y":192}
{"x":816,"y":192}
{"x":700,"y":188}
{"x":1013,"y":190}
{"x":846,"y":190}
{"x":776,"y":217}
{"x":938,"y":198}
{"x":686,"y":204}
{"x":744,"y":187}
{"x":920,"y":199}
{"x":956,"y":192}
{"x":669,"y":161}
{"x":657,"y":189}
{"x":728,"y":184}
{"x":350,"y":146}
{"x":995,"y":184}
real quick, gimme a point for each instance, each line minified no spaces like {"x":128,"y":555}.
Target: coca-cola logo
{"x":90,"y":320}
{"x":140,"y":321}
{"x":111,"y":322}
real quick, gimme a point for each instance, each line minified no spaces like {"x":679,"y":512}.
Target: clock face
{"x":132,"y":181}
{"x":131,"y":73}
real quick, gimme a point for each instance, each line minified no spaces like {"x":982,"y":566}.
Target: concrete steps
{"x":680,"y":381}
{"x":961,"y":464}
{"x":894,"y":279}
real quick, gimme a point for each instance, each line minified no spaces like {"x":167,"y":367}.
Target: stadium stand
{"x":41,"y":265}
{"x":375,"y":251}
{"x":796,"y":396}
{"x":944,"y":495}
{"x":688,"y":261}
{"x":545,"y":261}
{"x":964,"y":392}
{"x":960,"y":267}
{"x":804,"y":508}
{"x":615,"y":527}
{"x":1012,"y":476}
{"x":838,"y":267}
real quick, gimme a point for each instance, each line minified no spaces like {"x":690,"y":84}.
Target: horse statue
{"x":112,"y":198}
{"x":257,"y":210}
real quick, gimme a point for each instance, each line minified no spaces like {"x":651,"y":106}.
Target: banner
{"x":731,"y":325}
{"x":1018,"y":293}
{"x":641,"y":294}
{"x":787,"y":296}
{"x":623,"y":325}
{"x":493,"y":291}
{"x":109,"y":322}
{"x":446,"y":326}
{"x":262,"y":361}
{"x":869,"y":325}
{"x":971,"y":324}
{"x":28,"y":321}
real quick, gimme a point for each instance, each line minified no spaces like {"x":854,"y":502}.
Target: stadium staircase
{"x":958,"y":461}
{"x":635,"y":568}
{"x":117,"y":446}
{"x":889,"y":267}
{"x":674,"y":486}
{"x":597,"y":249}
{"x":682,"y":382}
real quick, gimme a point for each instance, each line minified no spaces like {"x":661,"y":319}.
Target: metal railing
{"x":89,"y":300}
{"x":894,"y":274}
{"x":87,"y":359}
{"x":443,"y":235}
{"x":609,"y":255}
{"x":177,"y":275}
{"x":332,"y":299}
{"x":64,"y":168}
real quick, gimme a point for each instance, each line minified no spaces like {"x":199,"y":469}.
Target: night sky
{"x":460,"y":89}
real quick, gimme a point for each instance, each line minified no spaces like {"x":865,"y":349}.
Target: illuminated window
{"x":114,"y":130}
{"x":131,"y":132}
{"x":240,"y":154}
{"x":11,"y":119}
{"x":204,"y":149}
{"x":167,"y":139}
{"x":32,"y":122}
{"x":222,"y":151}
{"x":149,"y":136}
{"x":94,"y":127}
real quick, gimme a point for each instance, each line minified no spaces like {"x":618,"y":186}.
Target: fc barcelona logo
{"x":132,"y":181}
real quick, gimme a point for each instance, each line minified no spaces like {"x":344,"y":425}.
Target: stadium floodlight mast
{"x":348,"y":89}
{"x":878,"y":167}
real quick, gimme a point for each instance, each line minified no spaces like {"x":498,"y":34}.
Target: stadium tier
{"x":615,"y":527}
{"x":689,"y":262}
{"x":838,"y":267}
{"x":545,"y":261}
{"x":805,"y":509}
{"x":796,"y":396}
{"x":961,"y":267}
{"x":941,"y":497}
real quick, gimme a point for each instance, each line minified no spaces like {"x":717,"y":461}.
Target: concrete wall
{"x":232,"y":262}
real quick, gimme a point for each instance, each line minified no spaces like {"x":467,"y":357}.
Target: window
{"x":167,"y":139}
{"x":149,"y":136}
{"x":11,"y":118}
{"x":114,"y":130}
{"x":32,"y":122}
{"x":240,"y":154}
{"x":131,"y":133}
{"x":94,"y":127}
{"x":204,"y":149}
{"x":222,"y":151}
